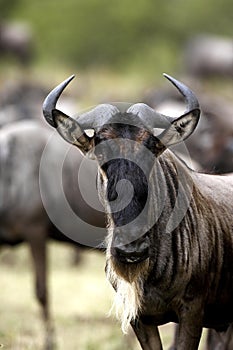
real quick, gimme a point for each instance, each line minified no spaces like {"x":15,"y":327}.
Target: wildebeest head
{"x":126,"y":145}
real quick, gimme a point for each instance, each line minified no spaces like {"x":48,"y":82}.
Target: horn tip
{"x":191,"y":100}
{"x":168,"y":76}
{"x":68,"y":80}
{"x":72,"y":76}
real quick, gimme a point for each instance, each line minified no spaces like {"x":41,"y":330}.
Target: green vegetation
{"x":122,"y":35}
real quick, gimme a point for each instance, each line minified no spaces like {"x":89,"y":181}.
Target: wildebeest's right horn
{"x":52,"y":98}
{"x":190,"y":98}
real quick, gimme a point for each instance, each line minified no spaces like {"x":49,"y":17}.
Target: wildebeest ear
{"x":180,"y":128}
{"x":71,"y":131}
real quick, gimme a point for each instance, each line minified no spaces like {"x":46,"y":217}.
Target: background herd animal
{"x":22,"y":214}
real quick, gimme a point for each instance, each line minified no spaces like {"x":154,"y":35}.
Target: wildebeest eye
{"x":104,"y":129}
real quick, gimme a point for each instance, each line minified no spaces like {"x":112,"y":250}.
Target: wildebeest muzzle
{"x":133,"y":252}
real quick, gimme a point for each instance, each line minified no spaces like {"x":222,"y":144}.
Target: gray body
{"x":209,"y":56}
{"x":190,"y":278}
{"x":23,"y":217}
{"x":194,"y":280}
{"x":16,"y":39}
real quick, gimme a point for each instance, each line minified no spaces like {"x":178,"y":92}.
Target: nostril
{"x":119,"y":252}
{"x":131,"y":253}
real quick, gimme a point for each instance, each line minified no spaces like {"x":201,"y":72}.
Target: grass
{"x":80,"y":300}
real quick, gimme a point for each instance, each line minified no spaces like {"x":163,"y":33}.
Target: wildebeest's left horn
{"x":52,"y":98}
{"x":190,"y":98}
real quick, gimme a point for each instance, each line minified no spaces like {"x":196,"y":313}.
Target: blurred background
{"x":118,"y":50}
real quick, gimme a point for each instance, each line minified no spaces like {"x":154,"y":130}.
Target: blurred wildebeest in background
{"x":220,"y":341}
{"x":16,"y":40}
{"x":207,"y":55}
{"x":22,"y":214}
{"x":214,"y":340}
{"x":20,"y":100}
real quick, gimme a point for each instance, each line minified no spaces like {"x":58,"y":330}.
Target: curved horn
{"x":190,"y":98}
{"x":52,"y":98}
{"x":153,"y":119}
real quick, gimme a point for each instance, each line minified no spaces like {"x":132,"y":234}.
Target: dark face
{"x":126,"y":154}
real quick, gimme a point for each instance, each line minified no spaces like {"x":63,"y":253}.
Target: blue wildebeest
{"x":209,"y":55}
{"x":16,"y":39}
{"x":170,"y":229}
{"x":22,"y":214}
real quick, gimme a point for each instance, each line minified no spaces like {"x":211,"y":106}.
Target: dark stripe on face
{"x":122,"y":169}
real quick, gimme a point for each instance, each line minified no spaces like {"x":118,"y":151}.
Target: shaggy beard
{"x":127,"y":280}
{"x":130,"y":272}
